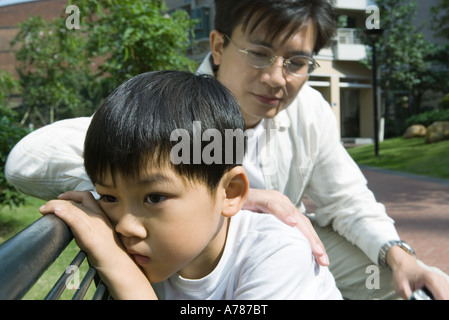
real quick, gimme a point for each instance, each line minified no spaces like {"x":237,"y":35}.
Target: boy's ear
{"x":216,"y":45}
{"x":236,"y":188}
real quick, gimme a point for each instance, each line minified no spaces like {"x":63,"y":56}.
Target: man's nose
{"x":275,"y":75}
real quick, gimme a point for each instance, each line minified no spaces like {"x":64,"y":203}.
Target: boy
{"x":179,"y":227}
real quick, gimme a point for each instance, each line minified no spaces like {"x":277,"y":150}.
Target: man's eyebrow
{"x":269,"y":45}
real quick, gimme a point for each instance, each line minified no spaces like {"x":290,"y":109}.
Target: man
{"x":262,"y":51}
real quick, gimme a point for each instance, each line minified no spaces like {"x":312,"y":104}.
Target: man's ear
{"x":236,"y":188}
{"x":216,"y":44}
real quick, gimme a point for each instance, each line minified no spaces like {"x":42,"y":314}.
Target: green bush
{"x":444,"y":103}
{"x":10,"y":134}
{"x":427,"y":118}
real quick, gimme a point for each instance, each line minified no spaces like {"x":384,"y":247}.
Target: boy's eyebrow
{"x":144,"y":180}
{"x":154,"y":178}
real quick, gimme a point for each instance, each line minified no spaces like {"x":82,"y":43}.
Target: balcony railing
{"x":348,"y":36}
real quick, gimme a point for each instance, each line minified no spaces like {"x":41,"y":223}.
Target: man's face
{"x":262,"y":93}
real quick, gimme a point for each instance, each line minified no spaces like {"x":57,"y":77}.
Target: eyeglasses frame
{"x":273,"y":59}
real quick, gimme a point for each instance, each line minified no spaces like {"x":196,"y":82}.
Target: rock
{"x":415,"y":131}
{"x":437,"y":131}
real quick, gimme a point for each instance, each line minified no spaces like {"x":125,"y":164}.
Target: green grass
{"x":407,"y":155}
{"x":13,"y":221}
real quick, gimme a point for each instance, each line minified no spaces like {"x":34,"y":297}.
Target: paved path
{"x":420,"y":208}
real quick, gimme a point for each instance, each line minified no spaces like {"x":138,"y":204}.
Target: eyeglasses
{"x":262,"y":57}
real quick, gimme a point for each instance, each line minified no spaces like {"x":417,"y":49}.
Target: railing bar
{"x":25,"y":257}
{"x":81,"y":291}
{"x":100,"y":292}
{"x":60,"y":285}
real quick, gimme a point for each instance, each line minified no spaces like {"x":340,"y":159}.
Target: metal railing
{"x":26,"y":256}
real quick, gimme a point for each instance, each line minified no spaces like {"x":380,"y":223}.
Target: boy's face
{"x":167,"y":225}
{"x":262,"y":93}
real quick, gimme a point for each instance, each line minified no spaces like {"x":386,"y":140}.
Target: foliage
{"x":440,"y":21}
{"x":10,"y":134}
{"x":409,"y":62}
{"x":444,"y":103}
{"x":427,"y":118}
{"x":136,"y":37}
{"x":8,"y":85}
{"x":66,"y":73}
{"x":401,"y":48}
{"x":52,"y":66}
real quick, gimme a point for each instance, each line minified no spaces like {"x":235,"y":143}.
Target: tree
{"x":440,"y":21}
{"x":66,"y":73}
{"x":137,"y":36}
{"x":409,"y":64}
{"x":52,"y":66}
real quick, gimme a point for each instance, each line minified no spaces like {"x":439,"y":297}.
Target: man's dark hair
{"x":278,"y":15}
{"x":133,"y":127}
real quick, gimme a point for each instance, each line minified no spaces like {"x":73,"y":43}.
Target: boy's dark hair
{"x":133,"y":127}
{"x":279,"y":15}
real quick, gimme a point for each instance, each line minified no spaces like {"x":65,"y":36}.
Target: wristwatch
{"x":387,"y":246}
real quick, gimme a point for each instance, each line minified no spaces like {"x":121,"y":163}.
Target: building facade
{"x":12,"y":15}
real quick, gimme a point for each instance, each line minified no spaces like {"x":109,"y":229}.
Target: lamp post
{"x":373,"y":35}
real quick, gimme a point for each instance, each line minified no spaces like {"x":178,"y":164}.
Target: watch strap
{"x":388,"y":245}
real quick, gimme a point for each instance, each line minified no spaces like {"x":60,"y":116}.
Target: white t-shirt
{"x":263,"y":259}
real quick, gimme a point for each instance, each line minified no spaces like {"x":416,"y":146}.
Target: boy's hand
{"x":274,"y":202}
{"x":95,"y":235}
{"x":91,"y":228}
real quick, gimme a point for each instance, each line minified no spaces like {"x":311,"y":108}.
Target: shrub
{"x":10,"y":134}
{"x":429,"y":117}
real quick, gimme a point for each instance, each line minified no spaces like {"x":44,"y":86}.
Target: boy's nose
{"x":130,"y":226}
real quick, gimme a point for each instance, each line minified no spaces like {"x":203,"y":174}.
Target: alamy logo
{"x":373,"y":280}
{"x":73,"y":280}
{"x":373,"y":20}
{"x":72,"y":21}
{"x":211,"y":147}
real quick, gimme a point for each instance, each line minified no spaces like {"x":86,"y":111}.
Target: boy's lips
{"x":140,"y":259}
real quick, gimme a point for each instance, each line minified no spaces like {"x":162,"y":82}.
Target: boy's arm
{"x":95,"y":235}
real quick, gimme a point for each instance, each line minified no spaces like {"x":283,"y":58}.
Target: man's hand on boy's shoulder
{"x":279,"y":205}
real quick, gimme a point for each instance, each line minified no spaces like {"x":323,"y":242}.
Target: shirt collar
{"x":206,"y":67}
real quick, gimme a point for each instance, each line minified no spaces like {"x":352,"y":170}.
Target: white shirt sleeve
{"x":49,"y":161}
{"x":339,"y":189}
